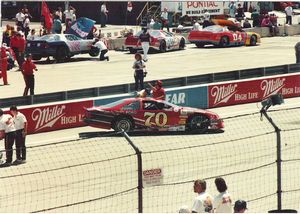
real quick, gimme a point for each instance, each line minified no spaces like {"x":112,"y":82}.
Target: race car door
{"x":158,"y":114}
{"x":171,"y":41}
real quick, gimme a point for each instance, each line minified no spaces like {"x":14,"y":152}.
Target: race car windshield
{"x":50,"y":38}
{"x":214,"y":28}
{"x":110,"y":105}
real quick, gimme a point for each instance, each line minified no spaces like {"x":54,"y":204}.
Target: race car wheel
{"x":199,"y":123}
{"x":94,"y":51}
{"x":132,"y":50}
{"x":61,"y":53}
{"x":163,"y":46}
{"x":182,"y":44}
{"x":199,"y":45}
{"x":123,"y":123}
{"x":36,"y":57}
{"x":253,"y":40}
{"x":224,"y":41}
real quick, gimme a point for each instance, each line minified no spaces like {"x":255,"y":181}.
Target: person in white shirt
{"x":102,"y":49}
{"x":203,"y":202}
{"x":196,"y":25}
{"x":8,"y":130}
{"x":165,"y":19}
{"x":20,"y":17}
{"x":289,"y":14}
{"x":32,"y":35}
{"x":26,"y":26}
{"x":20,"y":122}
{"x":222,"y":202}
{"x":69,"y":16}
{"x":104,"y":14}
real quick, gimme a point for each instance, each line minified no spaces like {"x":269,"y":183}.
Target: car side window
{"x":69,"y":37}
{"x":132,"y":106}
{"x":74,"y":38}
{"x":149,"y":105}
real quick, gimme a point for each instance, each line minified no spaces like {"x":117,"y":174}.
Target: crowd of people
{"x":221,"y":203}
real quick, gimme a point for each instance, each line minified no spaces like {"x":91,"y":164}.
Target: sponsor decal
{"x":198,"y":8}
{"x":222,"y":94}
{"x":271,"y":87}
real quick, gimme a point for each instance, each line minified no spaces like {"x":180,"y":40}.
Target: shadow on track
{"x":144,"y":133}
{"x":75,"y":59}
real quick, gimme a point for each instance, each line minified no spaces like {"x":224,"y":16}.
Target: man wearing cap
{"x":8,"y":130}
{"x":203,"y":202}
{"x":158,"y":92}
{"x":240,"y":206}
{"x":28,"y":68}
{"x":145,"y":40}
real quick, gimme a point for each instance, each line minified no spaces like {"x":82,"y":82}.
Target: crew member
{"x":8,"y":130}
{"x":145,"y":40}
{"x":102,"y":49}
{"x":20,"y":122}
{"x":4,"y":64}
{"x":27,"y":69}
{"x":158,"y":92}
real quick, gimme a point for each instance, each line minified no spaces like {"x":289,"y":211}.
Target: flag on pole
{"x":129,"y":6}
{"x":81,"y":27}
{"x":47,"y":15}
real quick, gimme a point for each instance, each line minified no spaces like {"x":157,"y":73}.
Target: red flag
{"x":48,"y":17}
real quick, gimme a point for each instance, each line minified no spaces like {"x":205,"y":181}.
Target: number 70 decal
{"x":160,"y":119}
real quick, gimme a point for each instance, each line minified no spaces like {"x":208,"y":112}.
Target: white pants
{"x":145,"y":46}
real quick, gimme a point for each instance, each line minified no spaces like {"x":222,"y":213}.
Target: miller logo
{"x":47,"y":117}
{"x":223,"y":93}
{"x":271,"y":87}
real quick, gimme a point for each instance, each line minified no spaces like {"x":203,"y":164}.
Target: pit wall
{"x":62,"y":115}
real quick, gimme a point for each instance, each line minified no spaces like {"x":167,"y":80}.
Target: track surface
{"x":80,"y":172}
{"x":86,"y":72}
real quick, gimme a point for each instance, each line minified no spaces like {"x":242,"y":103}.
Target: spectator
{"x":158,"y":92}
{"x":151,"y":24}
{"x":104,"y":15}
{"x":28,"y":69}
{"x":8,"y":130}
{"x":157,"y":25}
{"x":138,"y":67}
{"x":164,"y":19}
{"x":21,"y":131}
{"x":246,"y":24}
{"x":255,"y":17}
{"x":240,"y":13}
{"x":26,"y":24}
{"x":4,"y":64}
{"x":196,"y":25}
{"x":232,"y":9}
{"x":145,"y":40}
{"x":69,"y":16}
{"x":32,"y":35}
{"x":7,"y":34}
{"x":206,"y":21}
{"x":102,"y":49}
{"x":274,"y":22}
{"x":59,"y":13}
{"x":20,"y":17}
{"x":203,"y":202}
{"x":222,"y":202}
{"x":289,"y":13}
{"x":240,"y":206}
{"x":56,"y":27}
{"x":267,"y":23}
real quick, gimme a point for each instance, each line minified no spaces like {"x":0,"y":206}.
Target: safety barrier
{"x":168,"y":83}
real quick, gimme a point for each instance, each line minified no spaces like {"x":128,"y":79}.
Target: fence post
{"x":278,"y":161}
{"x":140,"y":171}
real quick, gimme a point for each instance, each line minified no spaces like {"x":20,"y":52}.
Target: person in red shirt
{"x":4,"y":64}
{"x":28,"y":68}
{"x":158,"y":92}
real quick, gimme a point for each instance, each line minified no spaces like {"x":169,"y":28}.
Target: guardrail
{"x":168,"y":83}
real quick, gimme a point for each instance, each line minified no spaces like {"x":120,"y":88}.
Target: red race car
{"x":224,"y":34}
{"x":160,"y":41}
{"x":151,"y":115}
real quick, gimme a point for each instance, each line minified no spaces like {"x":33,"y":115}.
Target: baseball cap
{"x":239,"y":205}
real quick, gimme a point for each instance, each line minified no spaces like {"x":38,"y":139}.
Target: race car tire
{"x":94,"y":51}
{"x":199,"y":45}
{"x":132,"y":50}
{"x":36,"y":57}
{"x":123,"y":124}
{"x":163,"y":46}
{"x":253,"y":40}
{"x":224,"y":41}
{"x":182,"y":44}
{"x":61,"y":53}
{"x":198,"y":122}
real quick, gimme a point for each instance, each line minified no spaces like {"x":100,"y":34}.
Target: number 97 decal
{"x":160,"y":119}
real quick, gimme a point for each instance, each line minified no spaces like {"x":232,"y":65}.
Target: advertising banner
{"x":197,"y":8}
{"x":54,"y":117}
{"x":253,"y":91}
{"x":81,"y":27}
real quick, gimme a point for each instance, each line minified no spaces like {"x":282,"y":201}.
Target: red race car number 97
{"x":159,"y":119}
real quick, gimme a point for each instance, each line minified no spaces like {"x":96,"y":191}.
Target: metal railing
{"x":168,"y":83}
